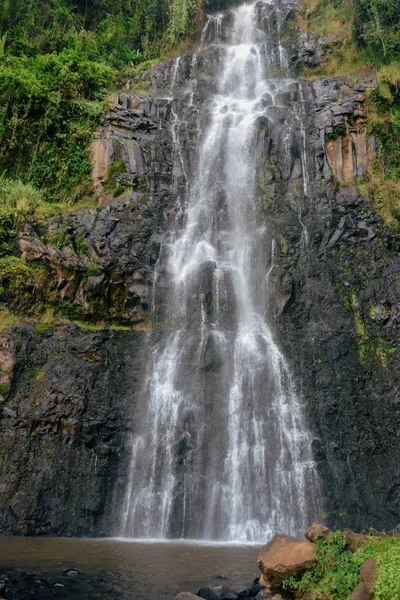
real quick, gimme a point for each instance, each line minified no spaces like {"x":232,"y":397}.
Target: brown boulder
{"x":361,"y":593}
{"x":354,"y":540}
{"x":368,"y":573}
{"x":285,"y":556}
{"x":317,"y":531}
{"x":264,"y":582}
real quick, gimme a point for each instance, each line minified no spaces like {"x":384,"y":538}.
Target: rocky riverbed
{"x":44,"y":568}
{"x":121,"y":570}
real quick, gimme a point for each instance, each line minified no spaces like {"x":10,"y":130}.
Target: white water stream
{"x":221,"y":450}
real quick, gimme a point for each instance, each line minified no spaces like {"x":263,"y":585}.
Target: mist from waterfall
{"x":221,"y":450}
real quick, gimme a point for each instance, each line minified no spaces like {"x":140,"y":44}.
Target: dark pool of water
{"x":112,"y":568}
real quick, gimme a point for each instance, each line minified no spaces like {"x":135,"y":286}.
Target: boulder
{"x":218,"y":591}
{"x":208,"y":594}
{"x":317,"y":531}
{"x":354,"y":540}
{"x":186,"y":596}
{"x":252,"y":591}
{"x":361,"y":593}
{"x":225,"y":593}
{"x":285,"y":556}
{"x":264,"y":582}
{"x":368,"y":573}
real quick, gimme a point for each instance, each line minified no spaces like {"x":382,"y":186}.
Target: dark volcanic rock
{"x":63,"y":429}
{"x":17,"y":585}
{"x":68,"y":400}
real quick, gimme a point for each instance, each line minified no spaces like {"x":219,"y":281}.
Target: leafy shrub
{"x":386,"y":551}
{"x":336,"y":573}
{"x":58,"y":239}
{"x":17,"y":201}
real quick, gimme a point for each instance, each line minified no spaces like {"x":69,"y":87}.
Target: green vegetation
{"x":382,"y":182}
{"x":4,"y":389}
{"x":337,"y":132}
{"x":337,"y":570}
{"x":59,"y":60}
{"x":360,"y":33}
{"x":365,"y":35}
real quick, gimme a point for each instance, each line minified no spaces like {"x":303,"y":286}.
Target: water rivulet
{"x":220,"y":448}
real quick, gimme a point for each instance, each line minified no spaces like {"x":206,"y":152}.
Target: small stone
{"x":71,"y":572}
{"x":59,"y":585}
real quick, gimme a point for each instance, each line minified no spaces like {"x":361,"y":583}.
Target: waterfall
{"x":221,"y":450}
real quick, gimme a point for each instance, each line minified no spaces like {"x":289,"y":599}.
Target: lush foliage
{"x":17,"y":201}
{"x":365,"y":34}
{"x":360,"y":32}
{"x":386,"y":551}
{"x":382,"y":182}
{"x":377,"y":25}
{"x":337,"y":570}
{"x":59,"y":59}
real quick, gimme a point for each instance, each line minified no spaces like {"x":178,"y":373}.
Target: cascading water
{"x":221,"y":450}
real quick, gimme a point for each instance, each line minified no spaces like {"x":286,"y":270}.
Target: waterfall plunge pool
{"x":125,"y":569}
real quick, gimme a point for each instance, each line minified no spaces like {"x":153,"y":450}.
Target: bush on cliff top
{"x":365,"y":34}
{"x":373,"y":24}
{"x":58,"y":60}
{"x":336,"y":573}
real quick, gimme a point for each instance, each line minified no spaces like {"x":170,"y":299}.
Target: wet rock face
{"x":63,"y":430}
{"x":343,"y":146}
{"x":334,"y":299}
{"x":111,"y":268}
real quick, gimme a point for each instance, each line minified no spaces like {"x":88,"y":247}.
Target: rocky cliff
{"x":334,"y":299}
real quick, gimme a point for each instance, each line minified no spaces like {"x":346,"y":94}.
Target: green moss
{"x":93,"y":270}
{"x":40,"y":375}
{"x":42,"y":329}
{"x":80,"y":244}
{"x":116,"y":168}
{"x":59,"y":239}
{"x":89,"y":325}
{"x":4,"y":389}
{"x":370,"y":348}
{"x":337,"y":132}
